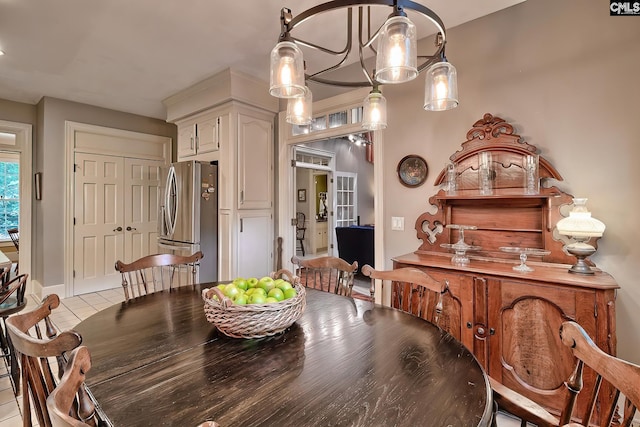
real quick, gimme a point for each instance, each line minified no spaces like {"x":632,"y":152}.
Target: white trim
{"x":286,"y":181}
{"x":70,"y":131}
{"x":24,"y":145}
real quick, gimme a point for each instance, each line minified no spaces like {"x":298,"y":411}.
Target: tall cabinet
{"x":229,"y":118}
{"x":510,"y":319}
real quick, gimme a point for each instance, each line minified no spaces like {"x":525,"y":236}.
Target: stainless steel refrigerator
{"x":188,"y":213}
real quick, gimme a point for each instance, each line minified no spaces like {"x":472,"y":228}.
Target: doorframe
{"x":24,"y":146}
{"x":286,"y":176}
{"x":330,"y":171}
{"x":69,"y":194}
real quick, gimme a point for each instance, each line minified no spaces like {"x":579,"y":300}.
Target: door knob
{"x":131,"y":229}
{"x":117,"y":229}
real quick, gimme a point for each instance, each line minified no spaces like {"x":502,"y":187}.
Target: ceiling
{"x":130,"y":55}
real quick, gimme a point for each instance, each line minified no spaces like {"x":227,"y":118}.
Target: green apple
{"x":284,"y":286}
{"x":266,"y":283}
{"x":257,"y":298}
{"x":231,"y":291}
{"x":290,"y":293}
{"x":252,"y":282}
{"x":270,"y":300}
{"x":241,"y":283}
{"x":276,"y":293}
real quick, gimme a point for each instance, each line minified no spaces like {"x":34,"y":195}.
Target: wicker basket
{"x":253,"y":320}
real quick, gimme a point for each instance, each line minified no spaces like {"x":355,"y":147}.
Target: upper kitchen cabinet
{"x":255,"y":162}
{"x":200,"y":135}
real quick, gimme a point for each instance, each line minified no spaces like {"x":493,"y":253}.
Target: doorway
{"x":17,"y":143}
{"x":112,"y":207}
{"x":348,"y":108}
{"x":314,"y":200}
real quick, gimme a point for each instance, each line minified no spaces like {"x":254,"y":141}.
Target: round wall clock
{"x":412,"y":170}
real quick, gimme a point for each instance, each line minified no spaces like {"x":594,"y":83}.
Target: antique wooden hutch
{"x":507,"y":318}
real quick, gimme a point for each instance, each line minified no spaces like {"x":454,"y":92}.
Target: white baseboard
{"x":41,"y":291}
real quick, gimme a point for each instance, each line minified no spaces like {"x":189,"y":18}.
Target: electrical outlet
{"x":397,"y":223}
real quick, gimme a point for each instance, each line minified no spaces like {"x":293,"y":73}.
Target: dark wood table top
{"x":157,"y":361}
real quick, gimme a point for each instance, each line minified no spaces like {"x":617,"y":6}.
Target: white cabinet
{"x":255,"y":244}
{"x":255,"y":162}
{"x":321,"y":239}
{"x":229,"y":118}
{"x":200,"y":134}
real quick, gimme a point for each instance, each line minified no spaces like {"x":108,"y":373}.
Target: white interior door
{"x":99,"y":220}
{"x":116,"y":213}
{"x":140,"y":208}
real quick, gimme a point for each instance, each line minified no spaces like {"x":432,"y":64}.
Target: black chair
{"x":300,"y":230}
{"x":12,"y":301}
{"x":14,"y":233}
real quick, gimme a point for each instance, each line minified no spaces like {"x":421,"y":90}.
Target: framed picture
{"x":412,"y":170}
{"x":302,"y":195}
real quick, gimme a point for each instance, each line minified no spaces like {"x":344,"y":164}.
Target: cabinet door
{"x":527,"y":354}
{"x":255,"y":245}
{"x":208,"y":134}
{"x":255,"y":163}
{"x":186,"y":139}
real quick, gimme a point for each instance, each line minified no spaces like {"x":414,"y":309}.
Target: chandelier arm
{"x":347,"y":48}
{"x":361,"y":46}
{"x":375,"y":52}
{"x":338,"y":83}
{"x":341,"y":4}
{"x":333,"y":67}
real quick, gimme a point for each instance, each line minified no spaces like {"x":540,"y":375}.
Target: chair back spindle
{"x":38,"y":379}
{"x":327,"y":273}
{"x":158,"y":272}
{"x":69,"y":404}
{"x":414,"y":291}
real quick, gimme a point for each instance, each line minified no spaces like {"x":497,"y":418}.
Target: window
{"x":9,"y":193}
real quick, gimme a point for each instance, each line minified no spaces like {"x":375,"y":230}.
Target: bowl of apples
{"x":255,"y":307}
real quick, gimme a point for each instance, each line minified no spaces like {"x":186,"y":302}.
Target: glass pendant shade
{"x":374,"y":111}
{"x":287,"y":71}
{"x":396,"y":60}
{"x":441,"y":87}
{"x":299,"y":109}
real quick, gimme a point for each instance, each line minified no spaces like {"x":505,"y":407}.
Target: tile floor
{"x":70,"y":313}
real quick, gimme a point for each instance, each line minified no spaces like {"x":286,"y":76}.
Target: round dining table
{"x":156,"y":361}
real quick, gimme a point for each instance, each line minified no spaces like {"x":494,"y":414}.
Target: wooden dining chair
{"x":623,"y":376}
{"x":326,"y":273}
{"x":413,"y":291}
{"x":154,"y":273}
{"x":12,"y":301}
{"x":38,"y":379}
{"x":68,"y":404}
{"x":14,"y":234}
{"x":301,"y":228}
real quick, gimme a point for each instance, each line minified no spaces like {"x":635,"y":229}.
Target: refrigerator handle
{"x":170,"y":219}
{"x":241,"y":225}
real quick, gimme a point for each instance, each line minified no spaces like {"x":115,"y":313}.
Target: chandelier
{"x":396,"y":60}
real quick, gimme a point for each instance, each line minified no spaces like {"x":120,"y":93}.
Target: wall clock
{"x":412,"y":170}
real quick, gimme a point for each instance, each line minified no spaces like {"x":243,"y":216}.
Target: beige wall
{"x":48,"y":231}
{"x":566,"y":75}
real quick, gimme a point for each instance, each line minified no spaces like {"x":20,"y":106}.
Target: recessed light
{"x":1,"y":52}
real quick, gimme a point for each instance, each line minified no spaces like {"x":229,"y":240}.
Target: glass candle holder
{"x":451,"y":176}
{"x":531,"y":169}
{"x":485,"y":178}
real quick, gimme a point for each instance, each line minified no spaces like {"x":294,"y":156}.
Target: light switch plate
{"x":397,"y":223}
